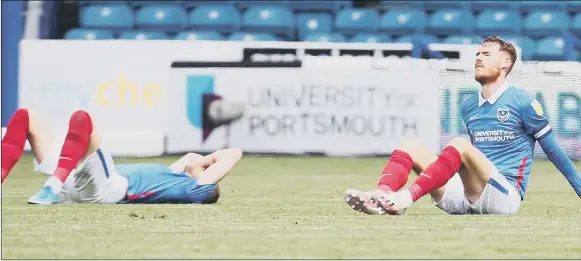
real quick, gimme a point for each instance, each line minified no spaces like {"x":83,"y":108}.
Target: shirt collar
{"x":494,"y":96}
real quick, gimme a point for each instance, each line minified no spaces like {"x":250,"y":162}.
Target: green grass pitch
{"x":288,"y":207}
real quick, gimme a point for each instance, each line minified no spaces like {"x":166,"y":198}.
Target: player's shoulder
{"x":471,"y":102}
{"x":520,"y":95}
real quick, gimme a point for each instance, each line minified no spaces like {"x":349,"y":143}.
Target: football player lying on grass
{"x":82,"y":172}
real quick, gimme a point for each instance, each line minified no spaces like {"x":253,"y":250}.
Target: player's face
{"x":489,"y":61}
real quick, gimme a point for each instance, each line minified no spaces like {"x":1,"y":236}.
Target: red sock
{"x":395,"y":174}
{"x":14,"y":141}
{"x":76,"y":144}
{"x":437,"y":174}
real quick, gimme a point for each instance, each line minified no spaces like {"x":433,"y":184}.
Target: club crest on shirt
{"x":502,"y":114}
{"x":538,"y":107}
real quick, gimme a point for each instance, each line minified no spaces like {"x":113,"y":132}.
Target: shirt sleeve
{"x":534,"y":119}
{"x":198,"y":193}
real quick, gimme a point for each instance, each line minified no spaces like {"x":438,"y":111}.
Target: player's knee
{"x":460,"y":144}
{"x":408,"y":145}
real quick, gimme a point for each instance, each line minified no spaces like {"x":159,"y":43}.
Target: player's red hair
{"x":504,"y":47}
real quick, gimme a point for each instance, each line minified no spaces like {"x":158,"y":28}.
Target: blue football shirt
{"x":152,"y":183}
{"x":505,"y":128}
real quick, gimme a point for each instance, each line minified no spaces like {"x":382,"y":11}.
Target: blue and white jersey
{"x":505,"y":128}
{"x":153,"y":183}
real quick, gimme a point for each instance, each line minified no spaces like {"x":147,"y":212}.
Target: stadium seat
{"x":527,"y":45}
{"x":198,"y":35}
{"x":461,"y":39}
{"x":141,"y":3}
{"x":313,"y":22}
{"x":318,"y":5}
{"x":426,"y":38}
{"x":324,"y":37}
{"x":370,"y":38}
{"x":387,"y":4}
{"x":505,"y":5}
{"x":438,"y":5}
{"x":272,"y":19}
{"x":114,"y":17}
{"x":89,"y":2}
{"x":355,"y":20}
{"x":574,"y":6}
{"x":403,"y":21}
{"x":221,"y":18}
{"x":143,"y":35}
{"x":529,"y":6}
{"x":451,"y":21}
{"x":545,"y":23}
{"x":252,"y":37}
{"x":195,"y":3}
{"x":245,"y":4}
{"x":88,"y":34}
{"x":497,"y":21}
{"x":550,"y":49}
{"x":576,"y":24}
{"x":170,"y":18}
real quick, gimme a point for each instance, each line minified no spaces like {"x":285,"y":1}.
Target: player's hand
{"x":194,"y":170}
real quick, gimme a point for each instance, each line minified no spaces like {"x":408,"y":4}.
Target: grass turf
{"x":288,"y":207}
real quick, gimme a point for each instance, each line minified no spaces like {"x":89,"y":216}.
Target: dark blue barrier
{"x":12,"y":29}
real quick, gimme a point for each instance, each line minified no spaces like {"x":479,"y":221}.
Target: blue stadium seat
{"x":170,"y":18}
{"x":141,"y":3}
{"x":313,"y":22}
{"x":426,"y":38}
{"x":498,"y":21}
{"x":89,"y":2}
{"x":462,"y":39}
{"x":451,"y":21}
{"x":574,"y":6}
{"x":354,"y":20}
{"x":438,"y":5}
{"x":88,"y":34}
{"x":143,"y":35}
{"x":482,"y":5}
{"x":273,"y":19}
{"x":370,"y":38}
{"x":222,"y":18}
{"x":319,"y":5}
{"x":252,"y":37}
{"x":387,"y":4}
{"x":576,"y":24}
{"x":198,"y":35}
{"x":324,"y":37}
{"x":545,"y":23}
{"x":245,"y":4}
{"x":195,"y":3}
{"x":114,"y":17}
{"x":527,"y":45}
{"x":550,"y":49}
{"x":528,"y":6}
{"x":403,"y":21}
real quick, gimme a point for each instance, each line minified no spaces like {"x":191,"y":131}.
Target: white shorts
{"x":93,"y":181}
{"x":498,"y":197}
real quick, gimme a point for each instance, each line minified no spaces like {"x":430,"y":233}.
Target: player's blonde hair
{"x":504,"y":47}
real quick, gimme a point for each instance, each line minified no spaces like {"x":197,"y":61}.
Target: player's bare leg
{"x":458,"y":157}
{"x":408,"y":155}
{"x":25,"y":124}
{"x":80,"y":142}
